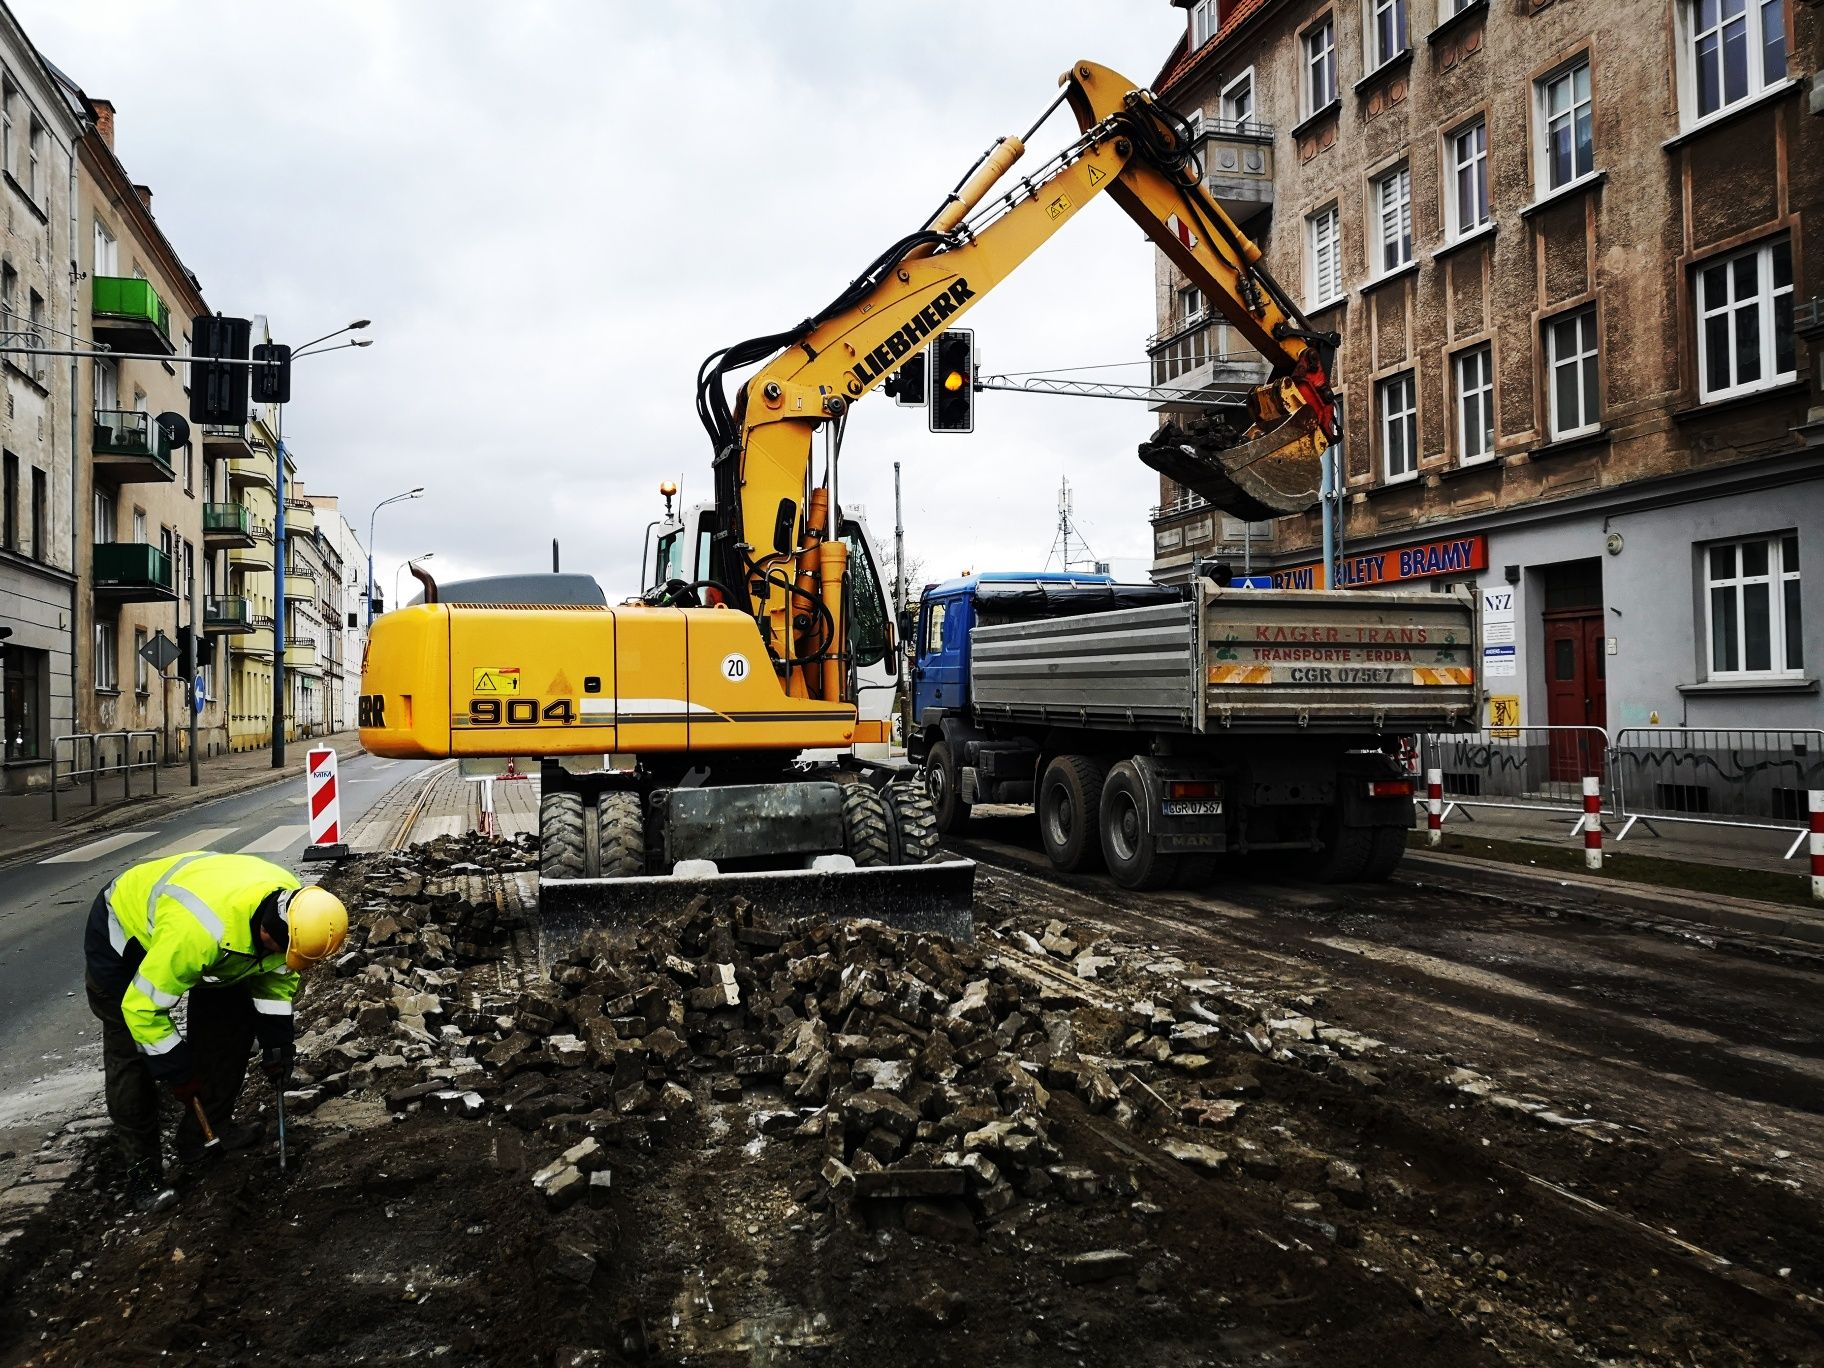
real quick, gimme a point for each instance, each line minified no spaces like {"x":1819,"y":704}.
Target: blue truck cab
{"x":947,"y":614}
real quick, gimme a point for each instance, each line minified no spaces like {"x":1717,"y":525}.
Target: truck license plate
{"x":1192,"y":807}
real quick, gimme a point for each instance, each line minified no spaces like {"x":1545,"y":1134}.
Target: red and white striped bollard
{"x":1592,"y":822}
{"x":1816,"y":841}
{"x":324,"y":804}
{"x":1434,"y":807}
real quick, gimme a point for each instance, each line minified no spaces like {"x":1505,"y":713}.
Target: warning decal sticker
{"x":497,"y":680}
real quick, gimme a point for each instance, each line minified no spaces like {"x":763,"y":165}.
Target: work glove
{"x":187,"y":1090}
{"x":276,"y":1063}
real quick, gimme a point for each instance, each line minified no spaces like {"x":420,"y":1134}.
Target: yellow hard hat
{"x":318,"y":925}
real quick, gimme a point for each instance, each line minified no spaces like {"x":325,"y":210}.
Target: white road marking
{"x":384,"y":764}
{"x":196,"y":840}
{"x":277,"y":839}
{"x":94,"y":850}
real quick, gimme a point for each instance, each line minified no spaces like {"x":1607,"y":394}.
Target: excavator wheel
{"x":865,"y":820}
{"x":916,"y":820}
{"x":621,"y":829}
{"x":560,"y":836}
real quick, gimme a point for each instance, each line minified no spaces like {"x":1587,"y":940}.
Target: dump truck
{"x":1155,"y":729}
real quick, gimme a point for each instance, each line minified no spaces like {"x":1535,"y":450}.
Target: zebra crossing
{"x":255,"y":839}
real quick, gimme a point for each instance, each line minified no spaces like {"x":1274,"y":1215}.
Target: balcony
{"x":226,"y":614}
{"x":300,"y":518}
{"x":132,"y":572}
{"x":301,"y":654}
{"x":1202,"y":354}
{"x":256,"y":556}
{"x":130,"y":448}
{"x":226,"y":439}
{"x":128,"y":315}
{"x":300,"y":585}
{"x":1237,"y":156}
{"x":253,"y":469}
{"x":226,"y":526}
{"x":255,"y":646}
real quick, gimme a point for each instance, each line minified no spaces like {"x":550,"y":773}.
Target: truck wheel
{"x":940,"y":783}
{"x":1128,"y":848}
{"x":621,"y":829}
{"x":864,"y":827}
{"x":1385,"y":851}
{"x":1070,"y":804}
{"x":1346,"y":852}
{"x":916,"y":820}
{"x":560,"y":836}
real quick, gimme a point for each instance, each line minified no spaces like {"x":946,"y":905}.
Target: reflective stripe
{"x":159,"y":1047}
{"x":189,"y":901}
{"x":117,"y":934}
{"x":272,"y":1006}
{"x":159,"y":997}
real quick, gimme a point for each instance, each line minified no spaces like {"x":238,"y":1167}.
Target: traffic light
{"x":907,"y":384}
{"x":953,"y":381}
{"x":218,"y":375}
{"x":272,"y":373}
{"x":205,"y":651}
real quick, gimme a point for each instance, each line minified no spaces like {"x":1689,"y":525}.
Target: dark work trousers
{"x":219,"y":1028}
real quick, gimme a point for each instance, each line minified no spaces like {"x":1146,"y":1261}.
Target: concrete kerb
{"x":1732,"y":914}
{"x":128,"y":813}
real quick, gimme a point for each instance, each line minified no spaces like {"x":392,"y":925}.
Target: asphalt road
{"x":50,"y":1055}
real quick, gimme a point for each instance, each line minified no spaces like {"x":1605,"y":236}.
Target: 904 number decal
{"x":521,"y":712}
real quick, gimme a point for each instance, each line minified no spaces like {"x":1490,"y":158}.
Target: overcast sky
{"x":552,"y":211}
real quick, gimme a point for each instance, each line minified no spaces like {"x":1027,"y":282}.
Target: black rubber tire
{"x":866,"y":838}
{"x":1069,"y":810}
{"x":1347,"y":850}
{"x":1386,"y":849}
{"x":621,"y":831}
{"x":560,"y":836}
{"x":940,"y":782}
{"x":1132,"y":858}
{"x":916,"y":821}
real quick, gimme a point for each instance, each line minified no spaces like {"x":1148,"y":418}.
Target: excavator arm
{"x":777,"y":555}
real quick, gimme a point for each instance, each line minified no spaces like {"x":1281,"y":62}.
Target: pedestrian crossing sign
{"x":496,"y":680}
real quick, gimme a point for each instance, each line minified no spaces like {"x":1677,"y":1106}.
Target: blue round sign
{"x":196,"y":693}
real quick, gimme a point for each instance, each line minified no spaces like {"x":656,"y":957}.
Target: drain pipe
{"x":76,"y":576}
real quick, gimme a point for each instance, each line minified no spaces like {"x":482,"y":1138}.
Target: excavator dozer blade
{"x":1279,"y":472}
{"x":936,"y":898}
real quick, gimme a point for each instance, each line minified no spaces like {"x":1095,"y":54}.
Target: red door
{"x":1576,"y":692}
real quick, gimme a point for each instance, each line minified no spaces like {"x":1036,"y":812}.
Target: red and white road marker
{"x":1592,"y":822}
{"x":1434,"y":807}
{"x":1816,"y":840}
{"x":324,"y":802}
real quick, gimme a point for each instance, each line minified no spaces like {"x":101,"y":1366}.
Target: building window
{"x":105,"y":376}
{"x":1203,"y":22}
{"x":1466,"y":192}
{"x":1567,"y":151}
{"x":33,"y":180}
{"x":107,"y":656}
{"x":1737,"y":48}
{"x":9,"y":149}
{"x":1399,"y":428}
{"x":1753,"y":607}
{"x":1386,"y":31}
{"x":1320,"y":66}
{"x":104,"y":518}
{"x":1238,"y":99}
{"x":1744,"y":322}
{"x":1571,"y":357}
{"x":1393,"y":211}
{"x":1190,"y":305}
{"x":34,"y":321}
{"x":41,"y":498}
{"x":1326,"y":258}
{"x":142,"y":669}
{"x":107,"y":252}
{"x":9,"y":517}
{"x":1475,"y":404}
{"x":189,"y":469}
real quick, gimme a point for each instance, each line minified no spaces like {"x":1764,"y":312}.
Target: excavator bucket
{"x":936,"y":898}
{"x":1278,"y":472}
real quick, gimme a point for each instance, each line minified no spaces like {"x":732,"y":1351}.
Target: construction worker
{"x":232,"y":932}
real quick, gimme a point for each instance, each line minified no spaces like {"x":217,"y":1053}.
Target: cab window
{"x":934,"y":627}
{"x":867,"y":606}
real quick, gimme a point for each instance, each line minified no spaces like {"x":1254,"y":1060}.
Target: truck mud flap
{"x":936,"y":898}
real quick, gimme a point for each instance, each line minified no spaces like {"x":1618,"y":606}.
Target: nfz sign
{"x":1425,"y":560}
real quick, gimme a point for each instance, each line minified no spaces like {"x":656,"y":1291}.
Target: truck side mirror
{"x":892,"y":656}
{"x":906,"y":624}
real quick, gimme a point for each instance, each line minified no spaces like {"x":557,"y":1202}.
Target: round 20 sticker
{"x":734,"y":666}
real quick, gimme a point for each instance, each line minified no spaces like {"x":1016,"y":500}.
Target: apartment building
{"x":253,"y":453}
{"x":38,"y":439}
{"x":308,"y":573}
{"x":1563,"y":241}
{"x":341,"y":599}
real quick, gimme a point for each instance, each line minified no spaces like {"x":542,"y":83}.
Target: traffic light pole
{"x":196,"y":625}
{"x":278,"y":597}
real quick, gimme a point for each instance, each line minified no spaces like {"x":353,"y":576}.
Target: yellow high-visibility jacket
{"x":166,"y":925}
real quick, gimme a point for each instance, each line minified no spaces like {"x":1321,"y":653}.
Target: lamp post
{"x":278,"y":552}
{"x":409,"y":494}
{"x":401,"y":570}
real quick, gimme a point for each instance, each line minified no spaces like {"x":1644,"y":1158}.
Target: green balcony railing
{"x":227,"y":610}
{"x":227,"y":519}
{"x":127,"y":432}
{"x":131,"y":565}
{"x":132,"y":300}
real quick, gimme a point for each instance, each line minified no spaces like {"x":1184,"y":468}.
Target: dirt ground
{"x":1455,"y":1130}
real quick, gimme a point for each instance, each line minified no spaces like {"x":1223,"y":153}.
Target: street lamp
{"x":401,"y":570}
{"x":409,"y":494}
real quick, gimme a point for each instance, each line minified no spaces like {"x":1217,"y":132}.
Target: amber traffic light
{"x":953,"y":396}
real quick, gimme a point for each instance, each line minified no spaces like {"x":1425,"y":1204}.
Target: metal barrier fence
{"x":94,"y":742}
{"x":1754,"y":778}
{"x":1533,"y":769}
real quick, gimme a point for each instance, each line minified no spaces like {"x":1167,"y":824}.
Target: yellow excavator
{"x":669,"y":728}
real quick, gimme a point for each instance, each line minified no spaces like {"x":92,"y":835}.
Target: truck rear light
{"x":1390,"y":788}
{"x":1184,"y":788}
